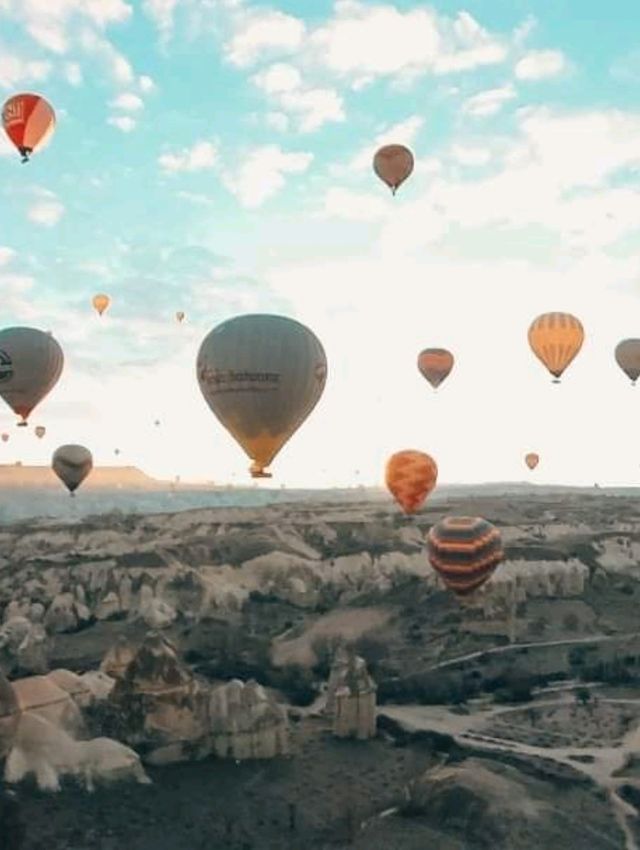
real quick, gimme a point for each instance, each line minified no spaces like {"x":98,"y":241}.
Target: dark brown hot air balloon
{"x":532,"y":460}
{"x":464,"y":551}
{"x":627,"y":356}
{"x":435,"y":364}
{"x":393,"y":164}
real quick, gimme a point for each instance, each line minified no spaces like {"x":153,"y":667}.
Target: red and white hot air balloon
{"x":28,"y":120}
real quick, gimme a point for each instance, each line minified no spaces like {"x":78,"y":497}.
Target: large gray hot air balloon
{"x":72,"y":464}
{"x":31,"y":362}
{"x":627,"y":356}
{"x":261,"y":375}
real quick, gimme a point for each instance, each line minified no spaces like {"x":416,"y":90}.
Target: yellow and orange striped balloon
{"x":464,"y":551}
{"x":410,"y":476}
{"x":435,"y":364}
{"x":555,"y":339}
{"x":532,"y":460}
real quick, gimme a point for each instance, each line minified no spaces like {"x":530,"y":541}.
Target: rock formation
{"x":351,"y":697}
{"x":246,"y":723}
{"x":24,"y":647}
{"x":9,"y":715}
{"x":118,"y":658}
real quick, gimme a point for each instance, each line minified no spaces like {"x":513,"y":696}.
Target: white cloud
{"x":128,"y":102}
{"x":162,"y":13}
{"x":313,"y":107}
{"x":46,"y":212}
{"x":201,"y":156}
{"x":119,"y":66}
{"x":540,"y":64}
{"x":354,"y":206}
{"x":123,"y":122}
{"x":261,"y":174}
{"x":15,"y":70}
{"x":258,"y":32}
{"x":277,"y":121}
{"x":146,"y":84}
{"x":489,"y":102}
{"x":6,"y":255}
{"x":402,"y":133}
{"x":278,"y":78}
{"x":73,"y":73}
{"x":470,"y":156}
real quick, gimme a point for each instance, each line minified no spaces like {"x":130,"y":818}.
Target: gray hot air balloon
{"x":627,"y":356}
{"x":261,"y":375}
{"x":31,"y":362}
{"x":72,"y":464}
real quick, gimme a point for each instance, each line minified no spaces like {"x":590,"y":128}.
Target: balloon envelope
{"x":435,"y":364}
{"x":101,"y":302}
{"x":31,"y":363}
{"x":410,"y":476}
{"x":555,"y":339}
{"x":393,"y":164}
{"x":28,"y":120}
{"x":72,"y":464}
{"x":532,"y":460}
{"x":40,"y":431}
{"x":5,"y":438}
{"x":261,"y":375}
{"x":464,"y":551}
{"x":627,"y":356}
{"x":180,"y":315}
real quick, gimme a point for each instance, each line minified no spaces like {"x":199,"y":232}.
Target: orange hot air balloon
{"x":28,"y":120}
{"x":5,"y":438}
{"x":532,"y":460}
{"x":435,"y":364}
{"x":101,"y":302}
{"x":180,"y":316}
{"x":627,"y":356}
{"x":393,"y":164}
{"x":464,"y":551}
{"x":410,"y":476}
{"x":40,"y":431}
{"x":555,"y":339}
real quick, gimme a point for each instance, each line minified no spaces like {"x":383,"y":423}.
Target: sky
{"x":214,"y":156}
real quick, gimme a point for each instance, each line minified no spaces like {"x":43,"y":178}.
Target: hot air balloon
{"x":5,"y":438}
{"x":101,"y":302}
{"x":410,"y":476}
{"x":435,"y":364}
{"x":464,"y":551}
{"x":261,"y":375}
{"x":180,"y":316}
{"x":116,"y":452}
{"x":40,"y":431}
{"x":72,"y":464}
{"x":30,"y":364}
{"x":157,"y":422}
{"x":627,"y":356}
{"x":393,"y":164}
{"x":555,"y":339}
{"x":28,"y":120}
{"x":532,"y":460}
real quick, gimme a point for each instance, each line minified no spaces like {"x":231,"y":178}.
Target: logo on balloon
{"x":229,"y":381}
{"x":6,"y":367}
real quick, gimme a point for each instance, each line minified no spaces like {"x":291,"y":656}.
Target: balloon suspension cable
{"x":394,"y":189}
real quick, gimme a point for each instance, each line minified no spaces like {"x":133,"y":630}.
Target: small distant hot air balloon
{"x":180,"y":316}
{"x":28,"y":120}
{"x":464,"y":551}
{"x":410,"y":476}
{"x":157,"y":422}
{"x":555,"y":339}
{"x":40,"y":431}
{"x":393,"y":164}
{"x":261,"y":375}
{"x":5,"y":438}
{"x":72,"y":464}
{"x":101,"y":302}
{"x":116,"y":452}
{"x":30,"y":364}
{"x":627,"y":356}
{"x":532,"y":460}
{"x":435,"y":364}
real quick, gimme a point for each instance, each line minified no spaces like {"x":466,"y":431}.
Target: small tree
{"x":583,"y":696}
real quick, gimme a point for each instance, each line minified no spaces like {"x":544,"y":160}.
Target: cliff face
{"x":351,"y":697}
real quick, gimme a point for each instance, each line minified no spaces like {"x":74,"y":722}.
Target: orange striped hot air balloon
{"x":28,"y":120}
{"x":435,"y":364}
{"x":410,"y":477}
{"x":464,"y":551}
{"x":532,"y":460}
{"x":555,"y":339}
{"x":101,"y":302}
